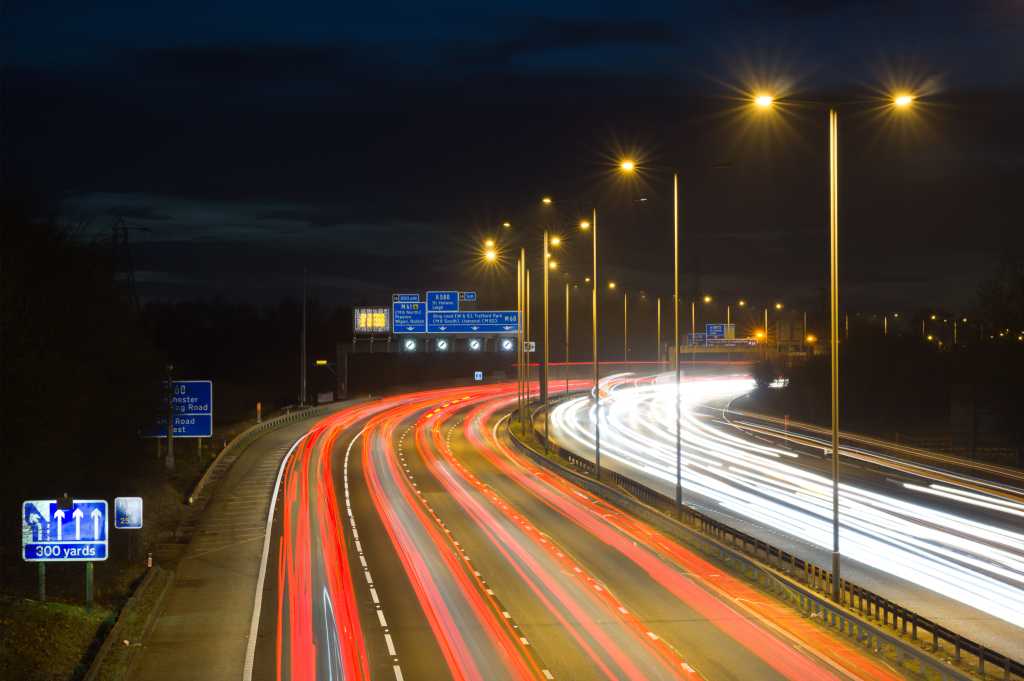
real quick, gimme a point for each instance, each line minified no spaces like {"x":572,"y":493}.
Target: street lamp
{"x":900,"y":101}
{"x":629,"y":166}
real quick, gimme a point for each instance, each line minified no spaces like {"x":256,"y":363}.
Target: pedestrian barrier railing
{"x":900,"y":636}
{"x":246,"y":437}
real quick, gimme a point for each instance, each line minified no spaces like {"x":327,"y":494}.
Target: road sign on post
{"x":192,"y":403}
{"x":49,"y":533}
{"x":128,"y":513}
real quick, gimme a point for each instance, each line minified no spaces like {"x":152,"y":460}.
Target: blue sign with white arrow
{"x":49,"y":533}
{"x":409,"y":317}
{"x":473,"y":321}
{"x":467,"y":296}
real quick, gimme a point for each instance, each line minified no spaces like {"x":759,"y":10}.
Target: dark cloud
{"x":376,"y":144}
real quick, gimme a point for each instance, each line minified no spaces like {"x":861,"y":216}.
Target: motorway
{"x":411,"y":542}
{"x":933,"y":539}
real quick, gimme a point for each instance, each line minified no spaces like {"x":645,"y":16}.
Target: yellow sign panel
{"x":370,"y":320}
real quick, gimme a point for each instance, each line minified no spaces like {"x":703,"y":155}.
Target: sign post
{"x":78,"y":533}
{"x":190,"y":409}
{"x":88,"y":585}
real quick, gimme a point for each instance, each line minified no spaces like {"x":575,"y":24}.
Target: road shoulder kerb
{"x":688,"y":535}
{"x":156,"y":580}
{"x":248,"y":435}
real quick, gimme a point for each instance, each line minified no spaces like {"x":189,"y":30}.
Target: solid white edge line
{"x":250,"y":648}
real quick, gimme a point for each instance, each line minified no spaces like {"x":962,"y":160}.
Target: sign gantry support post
{"x":42,"y":582}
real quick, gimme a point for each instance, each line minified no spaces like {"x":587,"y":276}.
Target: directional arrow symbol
{"x":59,"y":515}
{"x":77,"y":515}
{"x":95,"y":523}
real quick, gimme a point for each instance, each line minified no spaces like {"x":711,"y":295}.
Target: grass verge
{"x":48,"y":641}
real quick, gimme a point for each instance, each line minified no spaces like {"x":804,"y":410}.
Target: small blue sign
{"x":409,"y":317}
{"x":442,"y":301}
{"x":405,"y":297}
{"x":473,"y":321}
{"x":478,"y":375}
{"x":49,"y":533}
{"x":193,"y":411}
{"x":714,"y":330}
{"x":467,"y":296}
{"x":127,"y":513}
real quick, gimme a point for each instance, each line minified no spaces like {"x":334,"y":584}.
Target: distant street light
{"x":506,"y":225}
{"x":584,"y":225}
{"x":552,"y":265}
{"x":556,"y":241}
{"x":764,"y":101}
{"x":490,"y":255}
{"x":627,"y":166}
{"x":546,"y":201}
{"x":611,"y":285}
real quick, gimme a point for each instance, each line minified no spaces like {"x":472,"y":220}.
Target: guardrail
{"x":246,"y":438}
{"x":861,"y":614}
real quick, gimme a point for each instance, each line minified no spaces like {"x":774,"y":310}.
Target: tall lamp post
{"x":899,"y":101}
{"x":628,"y":166}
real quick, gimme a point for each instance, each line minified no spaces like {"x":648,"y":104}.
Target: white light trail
{"x":953,"y":554}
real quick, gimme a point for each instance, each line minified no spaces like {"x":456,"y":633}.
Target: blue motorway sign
{"x":442,"y":301}
{"x":467,"y":296}
{"x":193,"y":411}
{"x":405,"y":297}
{"x":714,"y":330}
{"x":473,"y":321}
{"x":127,"y":513}
{"x":49,"y":533}
{"x":409,"y":317}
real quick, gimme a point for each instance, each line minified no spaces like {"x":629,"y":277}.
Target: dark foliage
{"x":78,"y":373}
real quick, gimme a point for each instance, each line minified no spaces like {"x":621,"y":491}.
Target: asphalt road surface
{"x":411,"y":542}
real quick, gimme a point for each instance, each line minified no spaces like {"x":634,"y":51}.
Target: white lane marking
{"x":547,"y":674}
{"x":250,"y":648}
{"x":362,"y":559}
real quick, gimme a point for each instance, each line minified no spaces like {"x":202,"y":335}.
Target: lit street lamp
{"x":629,"y":166}
{"x":899,"y":101}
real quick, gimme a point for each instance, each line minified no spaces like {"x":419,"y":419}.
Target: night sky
{"x":376,"y":144}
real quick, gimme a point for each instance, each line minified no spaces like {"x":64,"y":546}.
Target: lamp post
{"x":545,"y":357}
{"x":629,"y":166}
{"x":658,"y":334}
{"x":625,"y":326}
{"x":597,"y":363}
{"x":566,"y":336}
{"x":899,"y":101}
